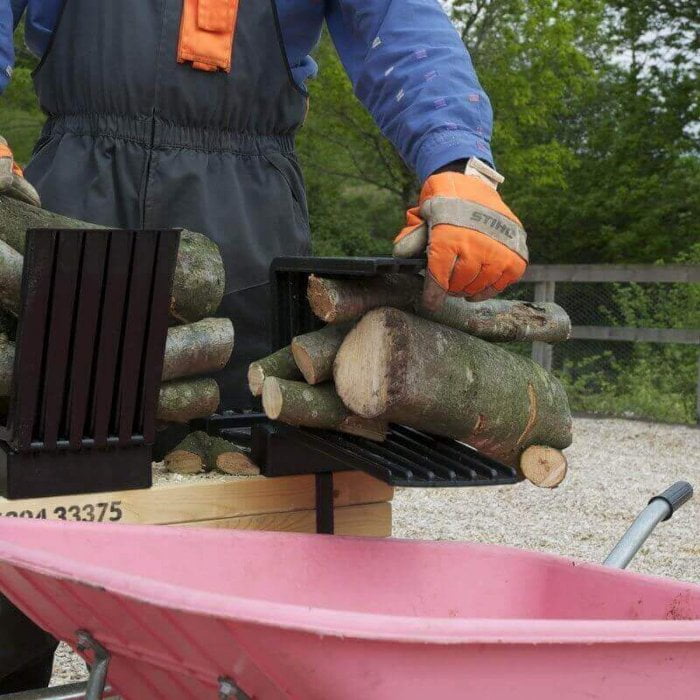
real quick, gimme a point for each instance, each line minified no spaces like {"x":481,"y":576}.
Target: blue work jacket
{"x":406,"y":61}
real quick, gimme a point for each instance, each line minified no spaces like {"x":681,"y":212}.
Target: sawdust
{"x":615,"y":466}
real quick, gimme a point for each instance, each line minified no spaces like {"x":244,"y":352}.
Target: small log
{"x":10,"y":278}
{"x":314,"y":353}
{"x":189,"y":457}
{"x":199,"y":279}
{"x":280,"y":364}
{"x":183,"y":400}
{"x":198,"y":348}
{"x":201,"y":452}
{"x":502,"y":320}
{"x":543,"y":466}
{"x":418,"y":373}
{"x":337,"y":301}
{"x":297,"y":403}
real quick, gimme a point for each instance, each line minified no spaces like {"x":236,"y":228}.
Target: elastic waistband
{"x":155,"y":132}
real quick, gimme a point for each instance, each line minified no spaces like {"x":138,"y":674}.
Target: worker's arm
{"x":409,"y":67}
{"x":7,"y":49}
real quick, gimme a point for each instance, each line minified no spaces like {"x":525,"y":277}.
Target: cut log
{"x":337,"y":301}
{"x":543,"y":466}
{"x":201,"y":452}
{"x":189,"y":457}
{"x":10,"y":278}
{"x":198,"y":284}
{"x":419,"y":373}
{"x":198,"y":348}
{"x":314,"y":353}
{"x":503,"y":320}
{"x":280,"y":364}
{"x":183,"y":400}
{"x":297,"y":403}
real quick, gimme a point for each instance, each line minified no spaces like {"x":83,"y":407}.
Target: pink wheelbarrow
{"x":196,"y":614}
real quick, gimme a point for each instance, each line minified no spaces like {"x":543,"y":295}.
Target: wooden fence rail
{"x":545,"y":278}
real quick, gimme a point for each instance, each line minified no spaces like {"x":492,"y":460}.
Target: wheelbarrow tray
{"x":318,"y":617}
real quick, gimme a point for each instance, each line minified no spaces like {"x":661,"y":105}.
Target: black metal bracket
{"x":89,"y":354}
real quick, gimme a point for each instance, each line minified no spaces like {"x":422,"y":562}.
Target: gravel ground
{"x":615,"y":466}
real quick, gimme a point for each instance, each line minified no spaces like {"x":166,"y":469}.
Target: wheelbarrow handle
{"x":660,"y":508}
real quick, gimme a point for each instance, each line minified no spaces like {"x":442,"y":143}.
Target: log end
{"x":543,"y":466}
{"x":183,"y":462}
{"x":256,"y":379}
{"x":272,"y":398}
{"x":320,"y":299}
{"x":367,"y":371}
{"x":305,"y":363}
{"x":237,"y":464}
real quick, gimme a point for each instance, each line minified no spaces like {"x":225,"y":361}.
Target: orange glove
{"x":476,"y":246}
{"x":12,"y":182}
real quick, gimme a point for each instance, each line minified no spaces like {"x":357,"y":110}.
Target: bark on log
{"x":314,"y":353}
{"x":410,"y":370}
{"x":183,"y":400}
{"x":280,"y":364}
{"x":198,"y":348}
{"x":543,"y":466}
{"x":10,"y":278}
{"x":7,"y":362}
{"x":297,"y":403}
{"x":198,"y":284}
{"x":503,"y":320}
{"x":337,"y":301}
{"x":201,"y":452}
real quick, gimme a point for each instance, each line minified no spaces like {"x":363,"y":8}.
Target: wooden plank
{"x":641,"y":335}
{"x":201,"y":500}
{"x":371,"y":520}
{"x":612,"y":273}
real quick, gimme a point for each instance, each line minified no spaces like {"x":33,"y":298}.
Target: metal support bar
{"x":324,"y":504}
{"x":98,"y":671}
{"x":229,"y":690}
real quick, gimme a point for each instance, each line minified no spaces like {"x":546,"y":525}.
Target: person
{"x":182,"y":113}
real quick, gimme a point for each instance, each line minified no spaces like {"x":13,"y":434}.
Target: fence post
{"x":542,"y":352}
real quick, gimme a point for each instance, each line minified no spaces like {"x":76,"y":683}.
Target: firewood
{"x":198,"y":284}
{"x":336,"y":300}
{"x":315,"y":352}
{"x":201,"y":452}
{"x":297,"y":403}
{"x":419,"y":373}
{"x":198,"y":348}
{"x":503,"y":320}
{"x":183,"y":400}
{"x":543,"y":466}
{"x":280,"y":364}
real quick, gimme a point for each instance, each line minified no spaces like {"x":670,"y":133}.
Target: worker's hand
{"x":12,"y":182}
{"x":476,"y":246}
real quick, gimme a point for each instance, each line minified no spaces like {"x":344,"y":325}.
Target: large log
{"x":314,"y":353}
{"x":183,"y":400}
{"x":340,"y":300}
{"x":198,"y":348}
{"x":413,"y":371}
{"x":280,"y":364}
{"x":198,"y":284}
{"x":7,"y":362}
{"x":297,"y":403}
{"x":503,"y":320}
{"x":10,"y":278}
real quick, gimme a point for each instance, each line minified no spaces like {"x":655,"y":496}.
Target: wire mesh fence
{"x":635,"y":346}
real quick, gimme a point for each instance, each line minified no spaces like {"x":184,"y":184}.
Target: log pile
{"x":384,"y":359}
{"x":197,"y":345}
